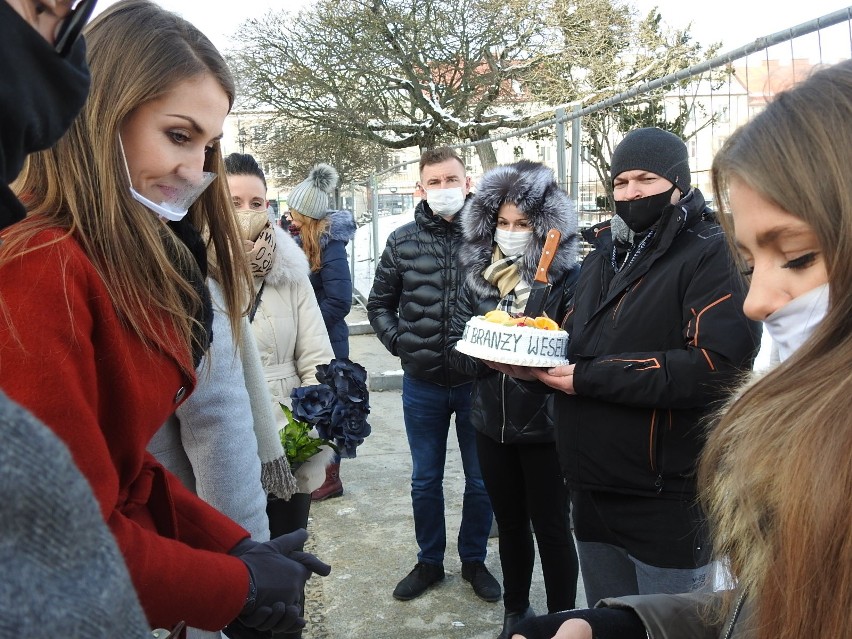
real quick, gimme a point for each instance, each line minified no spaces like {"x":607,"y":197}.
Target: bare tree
{"x":294,"y":147}
{"x":419,"y":73}
{"x":399,"y":73}
{"x":606,"y":49}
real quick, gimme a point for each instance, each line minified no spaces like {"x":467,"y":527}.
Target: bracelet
{"x":251,"y":597}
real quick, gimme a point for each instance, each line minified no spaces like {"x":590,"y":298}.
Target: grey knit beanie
{"x":310,"y":198}
{"x":654,"y":150}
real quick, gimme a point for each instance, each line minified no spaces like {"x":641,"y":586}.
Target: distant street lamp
{"x":241,"y":139}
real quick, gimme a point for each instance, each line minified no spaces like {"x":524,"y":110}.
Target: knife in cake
{"x":540,"y":288}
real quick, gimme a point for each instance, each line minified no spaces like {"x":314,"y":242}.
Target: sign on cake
{"x":524,"y":341}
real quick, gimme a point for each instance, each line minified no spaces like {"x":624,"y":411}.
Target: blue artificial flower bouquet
{"x":338,"y":406}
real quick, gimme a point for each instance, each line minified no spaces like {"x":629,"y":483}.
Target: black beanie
{"x":653,"y":150}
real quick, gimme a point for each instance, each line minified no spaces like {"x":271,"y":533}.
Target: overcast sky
{"x":733,"y":22}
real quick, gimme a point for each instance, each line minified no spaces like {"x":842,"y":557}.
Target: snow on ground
{"x":365,"y":261}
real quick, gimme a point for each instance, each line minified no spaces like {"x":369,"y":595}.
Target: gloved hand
{"x":237,"y":630}
{"x":277,"y":574}
{"x":243,"y":547}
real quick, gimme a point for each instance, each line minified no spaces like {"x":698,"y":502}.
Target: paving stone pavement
{"x":367,"y":536}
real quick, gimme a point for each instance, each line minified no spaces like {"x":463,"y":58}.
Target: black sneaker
{"x":418,"y":580}
{"x":483,"y":582}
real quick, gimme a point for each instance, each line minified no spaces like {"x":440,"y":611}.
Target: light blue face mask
{"x":792,"y":324}
{"x":183,"y":193}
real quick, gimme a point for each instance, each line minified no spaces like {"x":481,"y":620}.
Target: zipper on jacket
{"x":734,"y":616}
{"x":654,"y":452}
{"x":652,"y":442}
{"x":447,"y":315}
{"x":616,"y":312}
{"x":503,"y":406}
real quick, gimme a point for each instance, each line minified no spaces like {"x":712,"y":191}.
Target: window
{"x":258,"y":135}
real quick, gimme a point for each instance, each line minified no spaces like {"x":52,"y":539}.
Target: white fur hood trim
{"x":289,"y":265}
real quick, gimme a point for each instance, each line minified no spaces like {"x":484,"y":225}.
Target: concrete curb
{"x":360,"y":328}
{"x":382,"y":374}
{"x":387,"y":381}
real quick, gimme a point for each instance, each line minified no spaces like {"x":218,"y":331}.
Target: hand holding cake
{"x":559,"y":377}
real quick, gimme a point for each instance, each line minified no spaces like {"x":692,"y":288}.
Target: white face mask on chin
{"x":175,"y":207}
{"x":792,"y":324}
{"x":512,"y":242}
{"x":445,"y":202}
{"x":183,"y":192}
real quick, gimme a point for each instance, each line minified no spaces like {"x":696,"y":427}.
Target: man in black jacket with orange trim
{"x":658,"y":340}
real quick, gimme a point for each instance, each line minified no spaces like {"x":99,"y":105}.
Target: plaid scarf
{"x":503,"y":273}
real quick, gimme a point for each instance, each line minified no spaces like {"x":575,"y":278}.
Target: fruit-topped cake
{"x":499,"y":336}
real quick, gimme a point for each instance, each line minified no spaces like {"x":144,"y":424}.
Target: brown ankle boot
{"x":331,"y":487}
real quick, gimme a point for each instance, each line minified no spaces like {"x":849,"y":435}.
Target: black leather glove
{"x":277,"y":575}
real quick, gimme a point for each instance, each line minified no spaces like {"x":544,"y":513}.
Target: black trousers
{"x":525,"y":484}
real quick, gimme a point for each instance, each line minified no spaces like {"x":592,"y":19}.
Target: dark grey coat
{"x":656,"y":347}
{"x":688,"y":615}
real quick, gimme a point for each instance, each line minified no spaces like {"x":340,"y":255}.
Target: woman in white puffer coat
{"x":285,"y":318}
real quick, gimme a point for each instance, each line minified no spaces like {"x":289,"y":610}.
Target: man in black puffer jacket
{"x":410,"y":307}
{"x":658,"y":341}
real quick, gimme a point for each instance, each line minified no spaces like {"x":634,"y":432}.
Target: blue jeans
{"x":427,"y":409}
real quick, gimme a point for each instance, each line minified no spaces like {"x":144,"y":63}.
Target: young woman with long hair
{"x":285,"y":317}
{"x":105,"y":312}
{"x":323,"y":234}
{"x":776,"y":474}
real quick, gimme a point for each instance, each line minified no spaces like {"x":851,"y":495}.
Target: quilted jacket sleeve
{"x":383,"y":303}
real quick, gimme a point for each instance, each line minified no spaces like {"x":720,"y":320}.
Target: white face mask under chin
{"x":792,"y":324}
{"x":445,"y":202}
{"x":512,"y":242}
{"x":185,"y":192}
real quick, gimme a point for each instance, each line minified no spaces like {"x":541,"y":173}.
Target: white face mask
{"x":792,"y":324}
{"x":183,"y":192}
{"x":512,"y":242}
{"x":445,"y":202}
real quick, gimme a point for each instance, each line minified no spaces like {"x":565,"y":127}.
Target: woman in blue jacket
{"x":323,"y":235}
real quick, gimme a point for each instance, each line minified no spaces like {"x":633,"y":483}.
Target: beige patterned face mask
{"x":260,"y":236}
{"x":251,"y":223}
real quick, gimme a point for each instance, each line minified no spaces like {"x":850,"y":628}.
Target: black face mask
{"x":40,"y":95}
{"x":642,"y":214}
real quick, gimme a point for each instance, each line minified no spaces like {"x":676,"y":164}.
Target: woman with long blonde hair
{"x":105,"y":312}
{"x":776,"y":474}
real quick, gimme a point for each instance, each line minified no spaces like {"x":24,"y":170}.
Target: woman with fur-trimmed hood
{"x":504,"y":226}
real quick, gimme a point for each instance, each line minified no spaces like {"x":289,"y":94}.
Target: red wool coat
{"x":66,"y":357}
